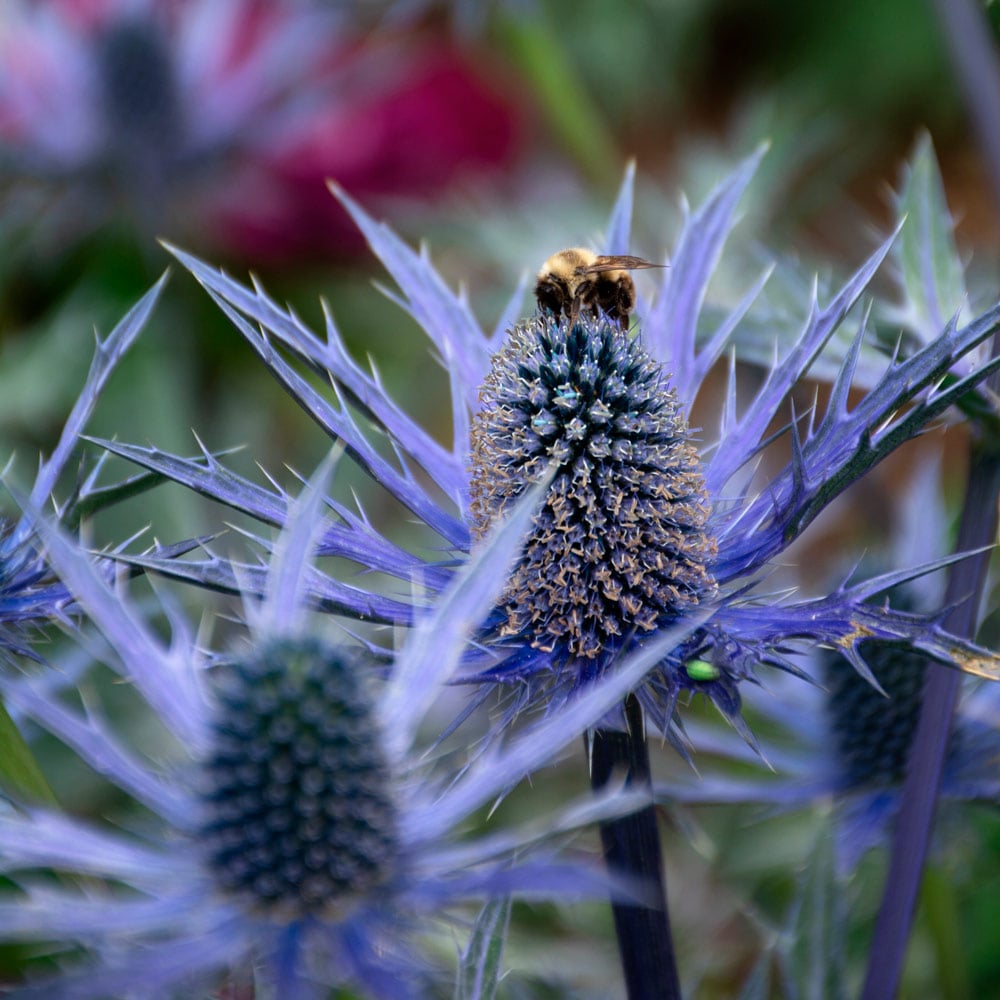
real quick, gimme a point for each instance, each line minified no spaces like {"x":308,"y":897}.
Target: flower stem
{"x":978,"y":72}
{"x":632,"y":848}
{"x":927,"y":755}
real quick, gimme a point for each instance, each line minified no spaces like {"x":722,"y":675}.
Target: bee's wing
{"x":617,"y":263}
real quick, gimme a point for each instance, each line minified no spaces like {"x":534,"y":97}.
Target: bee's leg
{"x":586,"y":299}
{"x":616,"y":314}
{"x":624,"y":302}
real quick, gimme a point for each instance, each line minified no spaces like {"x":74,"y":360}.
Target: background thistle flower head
{"x":129,"y":98}
{"x":223,"y":119}
{"x":842,"y":740}
{"x":845,"y":746}
{"x":872,"y":731}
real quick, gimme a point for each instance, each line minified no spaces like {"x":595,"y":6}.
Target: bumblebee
{"x":578,"y":280}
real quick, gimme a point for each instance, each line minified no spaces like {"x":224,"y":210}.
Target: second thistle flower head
{"x":299,"y":809}
{"x":620,"y":544}
{"x":872,"y":733}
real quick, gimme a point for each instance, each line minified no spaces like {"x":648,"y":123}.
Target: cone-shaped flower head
{"x":620,"y":544}
{"x":226,"y":117}
{"x":846,"y":742}
{"x":872,"y":731}
{"x":130,"y":101}
{"x":299,"y":812}
{"x":843,"y":739}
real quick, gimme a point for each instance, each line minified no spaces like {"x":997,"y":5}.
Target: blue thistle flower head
{"x":139,"y":94}
{"x":293,"y":832}
{"x":872,"y":730}
{"x":620,"y":544}
{"x":131,"y":101}
{"x":644,"y":527}
{"x":844,"y":740}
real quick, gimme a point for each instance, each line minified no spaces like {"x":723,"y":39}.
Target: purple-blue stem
{"x":927,"y":755}
{"x":632,"y":848}
{"x":978,"y":72}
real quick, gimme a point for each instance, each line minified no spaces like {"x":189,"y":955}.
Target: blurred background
{"x":497,"y":133}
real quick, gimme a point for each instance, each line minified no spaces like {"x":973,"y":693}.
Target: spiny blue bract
{"x":299,"y":810}
{"x":620,"y":542}
{"x":30,"y":595}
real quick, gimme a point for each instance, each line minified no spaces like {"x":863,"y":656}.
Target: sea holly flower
{"x":836,"y":756}
{"x":293,"y":834}
{"x":643,"y":522}
{"x":842,"y":741}
{"x":621,"y":542}
{"x":134,"y":97}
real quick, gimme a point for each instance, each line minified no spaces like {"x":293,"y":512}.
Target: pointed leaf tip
{"x":931,"y":271}
{"x":618,"y":237}
{"x":20,"y":773}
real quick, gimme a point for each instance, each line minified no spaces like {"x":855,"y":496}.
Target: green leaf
{"x":479,"y":971}
{"x":941,"y":909}
{"x":538,"y":51}
{"x":20,"y":775}
{"x":931,"y":270}
{"x":43,"y":368}
{"x":815,"y":953}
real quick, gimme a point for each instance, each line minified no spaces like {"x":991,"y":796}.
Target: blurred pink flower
{"x":225,"y":118}
{"x":425,"y":121}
